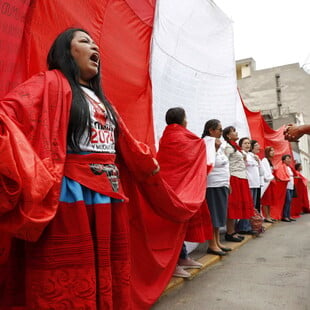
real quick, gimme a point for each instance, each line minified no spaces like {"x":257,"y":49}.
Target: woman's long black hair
{"x":210,"y":124}
{"x":253,"y":142}
{"x":267,"y":154}
{"x":59,"y":57}
{"x":225,"y":134}
{"x":242,"y":139}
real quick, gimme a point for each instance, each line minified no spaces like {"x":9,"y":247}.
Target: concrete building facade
{"x":282,"y":94}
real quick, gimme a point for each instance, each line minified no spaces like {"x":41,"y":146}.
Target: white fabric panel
{"x":193,"y":65}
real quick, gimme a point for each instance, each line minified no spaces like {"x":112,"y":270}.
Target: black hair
{"x":59,"y":57}
{"x":175,"y":116}
{"x":285,"y":156}
{"x":242,"y":139}
{"x":225,"y":134}
{"x":210,"y":124}
{"x":297,"y":166}
{"x":253,"y":142}
{"x":267,"y":154}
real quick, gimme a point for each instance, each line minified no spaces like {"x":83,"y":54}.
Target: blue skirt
{"x":217,"y":198}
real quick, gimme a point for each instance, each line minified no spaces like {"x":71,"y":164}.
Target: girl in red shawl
{"x":79,"y":257}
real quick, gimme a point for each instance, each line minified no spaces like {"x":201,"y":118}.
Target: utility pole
{"x":278,"y":90}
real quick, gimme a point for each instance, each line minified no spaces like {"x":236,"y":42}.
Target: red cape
{"x":182,"y":158}
{"x":301,"y":202}
{"x":34,"y":120}
{"x":281,"y":177}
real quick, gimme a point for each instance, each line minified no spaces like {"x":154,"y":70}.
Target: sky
{"x":272,"y":32}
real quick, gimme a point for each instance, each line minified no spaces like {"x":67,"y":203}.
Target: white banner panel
{"x":193,"y":65}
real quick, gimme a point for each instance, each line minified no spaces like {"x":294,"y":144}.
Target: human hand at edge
{"x":292,"y":133}
{"x":155,"y":171}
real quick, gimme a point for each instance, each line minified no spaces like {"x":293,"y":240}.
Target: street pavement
{"x":271,"y":272}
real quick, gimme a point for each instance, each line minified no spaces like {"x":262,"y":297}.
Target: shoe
{"x":220,"y":253}
{"x":286,"y":220}
{"x":248,"y":232}
{"x":268,"y":221}
{"x":189,"y":263}
{"x":292,"y":220}
{"x":180,"y":272}
{"x":232,"y":238}
{"x":274,"y":220}
{"x":225,"y":249}
{"x":238,"y":236}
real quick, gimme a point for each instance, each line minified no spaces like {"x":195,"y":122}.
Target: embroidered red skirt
{"x":81,"y":260}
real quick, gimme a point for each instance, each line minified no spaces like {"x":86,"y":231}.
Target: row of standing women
{"x":240,"y":183}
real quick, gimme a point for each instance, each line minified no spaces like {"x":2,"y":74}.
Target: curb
{"x":208,"y":260}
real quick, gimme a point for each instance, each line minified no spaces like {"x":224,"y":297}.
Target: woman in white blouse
{"x":268,"y":189}
{"x":217,"y":183}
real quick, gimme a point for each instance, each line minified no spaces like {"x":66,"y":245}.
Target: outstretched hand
{"x":292,"y":133}
{"x":157,"y":168}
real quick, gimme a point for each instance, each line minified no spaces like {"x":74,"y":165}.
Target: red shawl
{"x":182,"y":158}
{"x":34,"y":120}
{"x":301,"y":202}
{"x":281,"y":177}
{"x":234,"y":144}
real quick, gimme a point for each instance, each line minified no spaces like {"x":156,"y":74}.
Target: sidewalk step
{"x":207,"y":260}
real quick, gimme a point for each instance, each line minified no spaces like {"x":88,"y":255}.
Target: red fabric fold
{"x":37,"y":134}
{"x":300,"y":203}
{"x":26,"y":207}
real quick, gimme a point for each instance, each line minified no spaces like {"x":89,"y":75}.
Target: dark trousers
{"x":183,"y":253}
{"x":287,"y":204}
{"x":257,"y":202}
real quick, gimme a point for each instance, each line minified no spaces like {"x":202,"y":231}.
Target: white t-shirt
{"x":219,"y":175}
{"x":102,"y":138}
{"x":268,"y":174}
{"x":290,"y":184}
{"x":268,"y":170}
{"x":253,"y":171}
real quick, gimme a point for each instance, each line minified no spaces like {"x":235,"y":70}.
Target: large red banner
{"x":122,"y":29}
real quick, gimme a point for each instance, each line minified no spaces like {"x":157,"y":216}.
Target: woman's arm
{"x":294,"y":132}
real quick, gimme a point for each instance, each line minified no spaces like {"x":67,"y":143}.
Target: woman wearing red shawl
{"x":60,"y":187}
{"x":240,"y":202}
{"x":286,"y":213}
{"x":179,"y":155}
{"x":301,"y":202}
